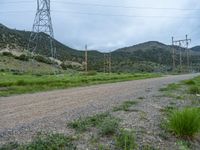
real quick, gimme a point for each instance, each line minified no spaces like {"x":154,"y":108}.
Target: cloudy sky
{"x":110,"y":24}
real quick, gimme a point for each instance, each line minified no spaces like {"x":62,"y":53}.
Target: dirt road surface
{"x":23,"y":115}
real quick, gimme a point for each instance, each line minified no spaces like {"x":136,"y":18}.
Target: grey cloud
{"x":108,"y":32}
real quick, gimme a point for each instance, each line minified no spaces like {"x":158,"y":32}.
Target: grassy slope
{"x":12,"y":64}
{"x":17,"y":84}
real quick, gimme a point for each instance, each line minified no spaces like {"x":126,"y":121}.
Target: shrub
{"x":64,"y":66}
{"x":7,"y":54}
{"x":125,"y":140}
{"x":22,"y":57}
{"x":72,"y":65}
{"x":190,"y":82}
{"x":91,"y":73}
{"x":109,"y":126}
{"x":43,"y":59}
{"x":194,"y":90}
{"x":185,"y":123}
{"x":21,"y":82}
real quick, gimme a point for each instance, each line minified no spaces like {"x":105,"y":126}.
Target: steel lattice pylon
{"x":42,"y":24}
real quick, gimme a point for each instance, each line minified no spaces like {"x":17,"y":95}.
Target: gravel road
{"x":24,"y":115}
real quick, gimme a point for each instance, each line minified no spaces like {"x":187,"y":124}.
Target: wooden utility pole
{"x":110,"y":63}
{"x":173,"y":54}
{"x":104,"y":63}
{"x":86,"y":59}
{"x":180,"y":55}
{"x":188,"y":52}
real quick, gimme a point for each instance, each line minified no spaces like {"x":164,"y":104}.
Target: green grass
{"x":183,"y":145}
{"x":171,"y":87}
{"x":43,"y":142}
{"x":125,"y":106}
{"x":185,"y":123}
{"x":108,"y":126}
{"x":11,"y":84}
{"x":83,"y":124}
{"x":105,"y":123}
{"x":125,"y":140}
{"x":168,"y":110}
{"x":190,"y":82}
{"x":193,"y":85}
{"x":194,"y":90}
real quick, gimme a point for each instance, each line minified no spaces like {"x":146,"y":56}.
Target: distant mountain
{"x":196,"y":49}
{"x":149,"y":56}
{"x":145,"y":47}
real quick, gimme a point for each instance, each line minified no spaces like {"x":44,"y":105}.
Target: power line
{"x":124,"y":15}
{"x":17,"y":2}
{"x":113,"y":6}
{"x":185,"y":44}
{"x":128,"y":7}
{"x":107,"y":15}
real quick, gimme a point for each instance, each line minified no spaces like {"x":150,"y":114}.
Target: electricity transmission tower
{"x":110,"y":63}
{"x":86,"y":59}
{"x":182,"y":44}
{"x":42,"y":24}
{"x":173,"y":55}
{"x":107,"y":62}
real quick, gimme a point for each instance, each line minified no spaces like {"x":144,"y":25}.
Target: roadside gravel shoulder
{"x":23,"y":116}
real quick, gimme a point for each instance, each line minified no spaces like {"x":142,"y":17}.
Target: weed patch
{"x":125,"y":106}
{"x":194,"y":90}
{"x":125,"y":140}
{"x":185,"y":123}
{"x":83,"y":124}
{"x":109,"y":126}
{"x":44,"y":142}
{"x":170,"y":87}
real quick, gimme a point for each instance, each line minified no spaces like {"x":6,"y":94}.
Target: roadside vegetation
{"x":182,"y":115}
{"x":185,"y":123}
{"x":107,"y":127}
{"x":26,"y":83}
{"x":125,"y":106}
{"x":44,"y":142}
{"x":179,"y":124}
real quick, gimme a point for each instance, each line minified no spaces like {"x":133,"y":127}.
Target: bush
{"x":43,"y":59}
{"x":125,"y":140}
{"x":91,"y":73}
{"x":21,"y":83}
{"x":72,"y":65}
{"x":64,"y":66}
{"x":185,"y":123}
{"x":22,"y":57}
{"x":7,"y":54}
{"x":194,"y":90}
{"x":190,"y":82}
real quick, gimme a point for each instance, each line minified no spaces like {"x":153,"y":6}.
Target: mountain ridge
{"x":153,"y":53}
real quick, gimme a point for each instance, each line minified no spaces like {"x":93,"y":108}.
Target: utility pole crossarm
{"x":183,"y":44}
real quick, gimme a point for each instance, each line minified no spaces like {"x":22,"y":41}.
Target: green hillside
{"x":148,"y":57}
